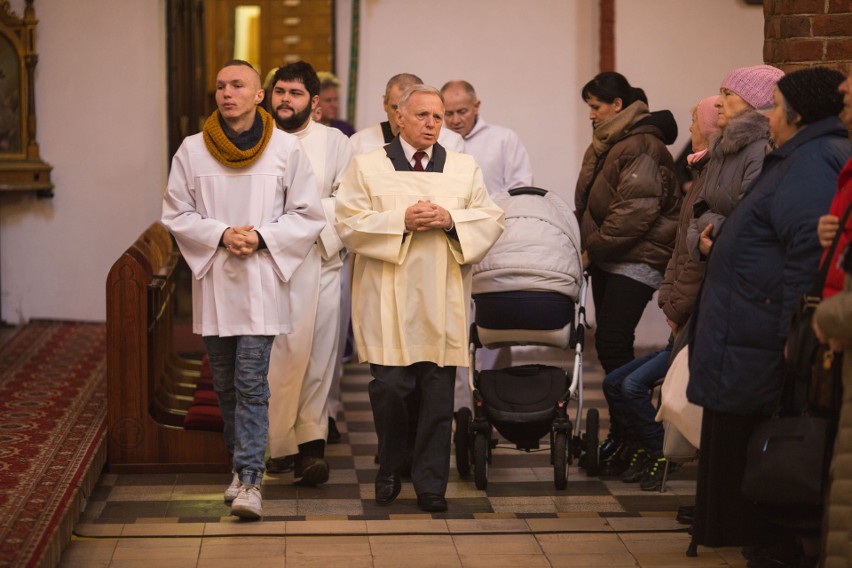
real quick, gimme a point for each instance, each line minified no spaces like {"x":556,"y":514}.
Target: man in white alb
{"x":498,"y":150}
{"x":302,"y":363}
{"x":242,"y":204}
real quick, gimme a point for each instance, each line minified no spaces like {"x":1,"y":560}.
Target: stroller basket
{"x":520,"y":401}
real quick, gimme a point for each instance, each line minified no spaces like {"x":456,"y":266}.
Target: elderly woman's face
{"x":780,"y":129}
{"x":699,"y":142}
{"x":730,"y":105}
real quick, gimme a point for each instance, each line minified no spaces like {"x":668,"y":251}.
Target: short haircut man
{"x":416,"y":216}
{"x":498,"y":150}
{"x":302,"y":364}
{"x":243,"y":238}
{"x":377,"y":135}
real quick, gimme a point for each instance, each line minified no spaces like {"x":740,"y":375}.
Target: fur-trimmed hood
{"x":741,"y":131}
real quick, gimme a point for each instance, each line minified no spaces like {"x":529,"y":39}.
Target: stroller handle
{"x":527,"y":191}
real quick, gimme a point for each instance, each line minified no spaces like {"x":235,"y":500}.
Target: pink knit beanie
{"x":754,"y":84}
{"x":708,"y":116}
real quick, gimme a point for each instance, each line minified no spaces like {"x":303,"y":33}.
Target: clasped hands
{"x":425,"y":215}
{"x":240,"y":241}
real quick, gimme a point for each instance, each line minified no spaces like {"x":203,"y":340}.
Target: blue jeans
{"x":628,"y":392}
{"x":240,"y":365}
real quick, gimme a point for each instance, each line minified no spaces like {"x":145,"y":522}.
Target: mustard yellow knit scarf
{"x":221,"y":148}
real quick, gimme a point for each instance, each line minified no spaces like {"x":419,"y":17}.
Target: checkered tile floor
{"x":520,"y":484}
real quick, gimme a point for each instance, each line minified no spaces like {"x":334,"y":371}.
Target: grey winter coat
{"x":736,"y":156}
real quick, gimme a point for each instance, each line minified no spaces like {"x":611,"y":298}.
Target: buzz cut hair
{"x":243,"y":63}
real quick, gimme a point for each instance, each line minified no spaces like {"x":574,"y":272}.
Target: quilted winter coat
{"x":684,"y":274}
{"x":628,"y":211}
{"x":764,"y":259}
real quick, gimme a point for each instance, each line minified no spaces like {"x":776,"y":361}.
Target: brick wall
{"x":805,"y":33}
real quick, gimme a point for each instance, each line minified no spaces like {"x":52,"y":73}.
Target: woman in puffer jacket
{"x":627,"y":202}
{"x":736,"y":154}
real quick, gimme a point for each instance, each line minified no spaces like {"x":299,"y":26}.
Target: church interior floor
{"x":180,"y":520}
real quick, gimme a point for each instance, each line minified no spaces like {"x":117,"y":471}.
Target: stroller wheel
{"x":591,"y":442}
{"x":559,"y":456}
{"x":462,"y":440}
{"x":481,"y":449}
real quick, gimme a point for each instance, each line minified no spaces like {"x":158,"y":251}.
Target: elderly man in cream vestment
{"x":302,"y":363}
{"x":416,"y":216}
{"x":242,"y":204}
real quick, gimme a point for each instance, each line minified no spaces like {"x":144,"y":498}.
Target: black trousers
{"x":390,"y":391}
{"x":619,"y":304}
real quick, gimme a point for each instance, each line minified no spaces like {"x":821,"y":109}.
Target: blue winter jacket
{"x":764,"y":259}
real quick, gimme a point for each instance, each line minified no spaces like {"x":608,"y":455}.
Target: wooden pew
{"x":149,"y":386}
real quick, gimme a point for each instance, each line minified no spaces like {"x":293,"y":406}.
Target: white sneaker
{"x":248,"y":503}
{"x":233,"y":489}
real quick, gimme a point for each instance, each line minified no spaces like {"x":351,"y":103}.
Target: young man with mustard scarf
{"x":242,"y":204}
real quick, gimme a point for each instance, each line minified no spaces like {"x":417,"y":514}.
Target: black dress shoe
{"x":387,"y":488}
{"x":432,"y":502}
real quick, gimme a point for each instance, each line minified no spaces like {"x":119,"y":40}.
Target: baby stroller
{"x":525,"y":292}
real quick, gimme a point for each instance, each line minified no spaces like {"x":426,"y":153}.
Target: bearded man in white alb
{"x":302,"y":364}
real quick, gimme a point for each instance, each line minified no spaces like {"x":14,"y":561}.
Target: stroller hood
{"x":539,"y":249}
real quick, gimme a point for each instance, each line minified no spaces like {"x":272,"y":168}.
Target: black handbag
{"x":787,"y":461}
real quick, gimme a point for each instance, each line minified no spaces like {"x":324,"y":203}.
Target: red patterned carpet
{"x":52,"y":426}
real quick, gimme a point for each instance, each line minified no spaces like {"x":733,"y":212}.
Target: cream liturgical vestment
{"x":411,"y":291}
{"x":277,"y":195}
{"x":302,"y":363}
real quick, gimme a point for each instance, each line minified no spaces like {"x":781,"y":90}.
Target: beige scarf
{"x":609,"y":132}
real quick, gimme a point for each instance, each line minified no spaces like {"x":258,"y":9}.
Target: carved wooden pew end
{"x":151,"y":390}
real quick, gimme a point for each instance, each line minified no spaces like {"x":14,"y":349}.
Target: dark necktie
{"x":418,"y":160}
